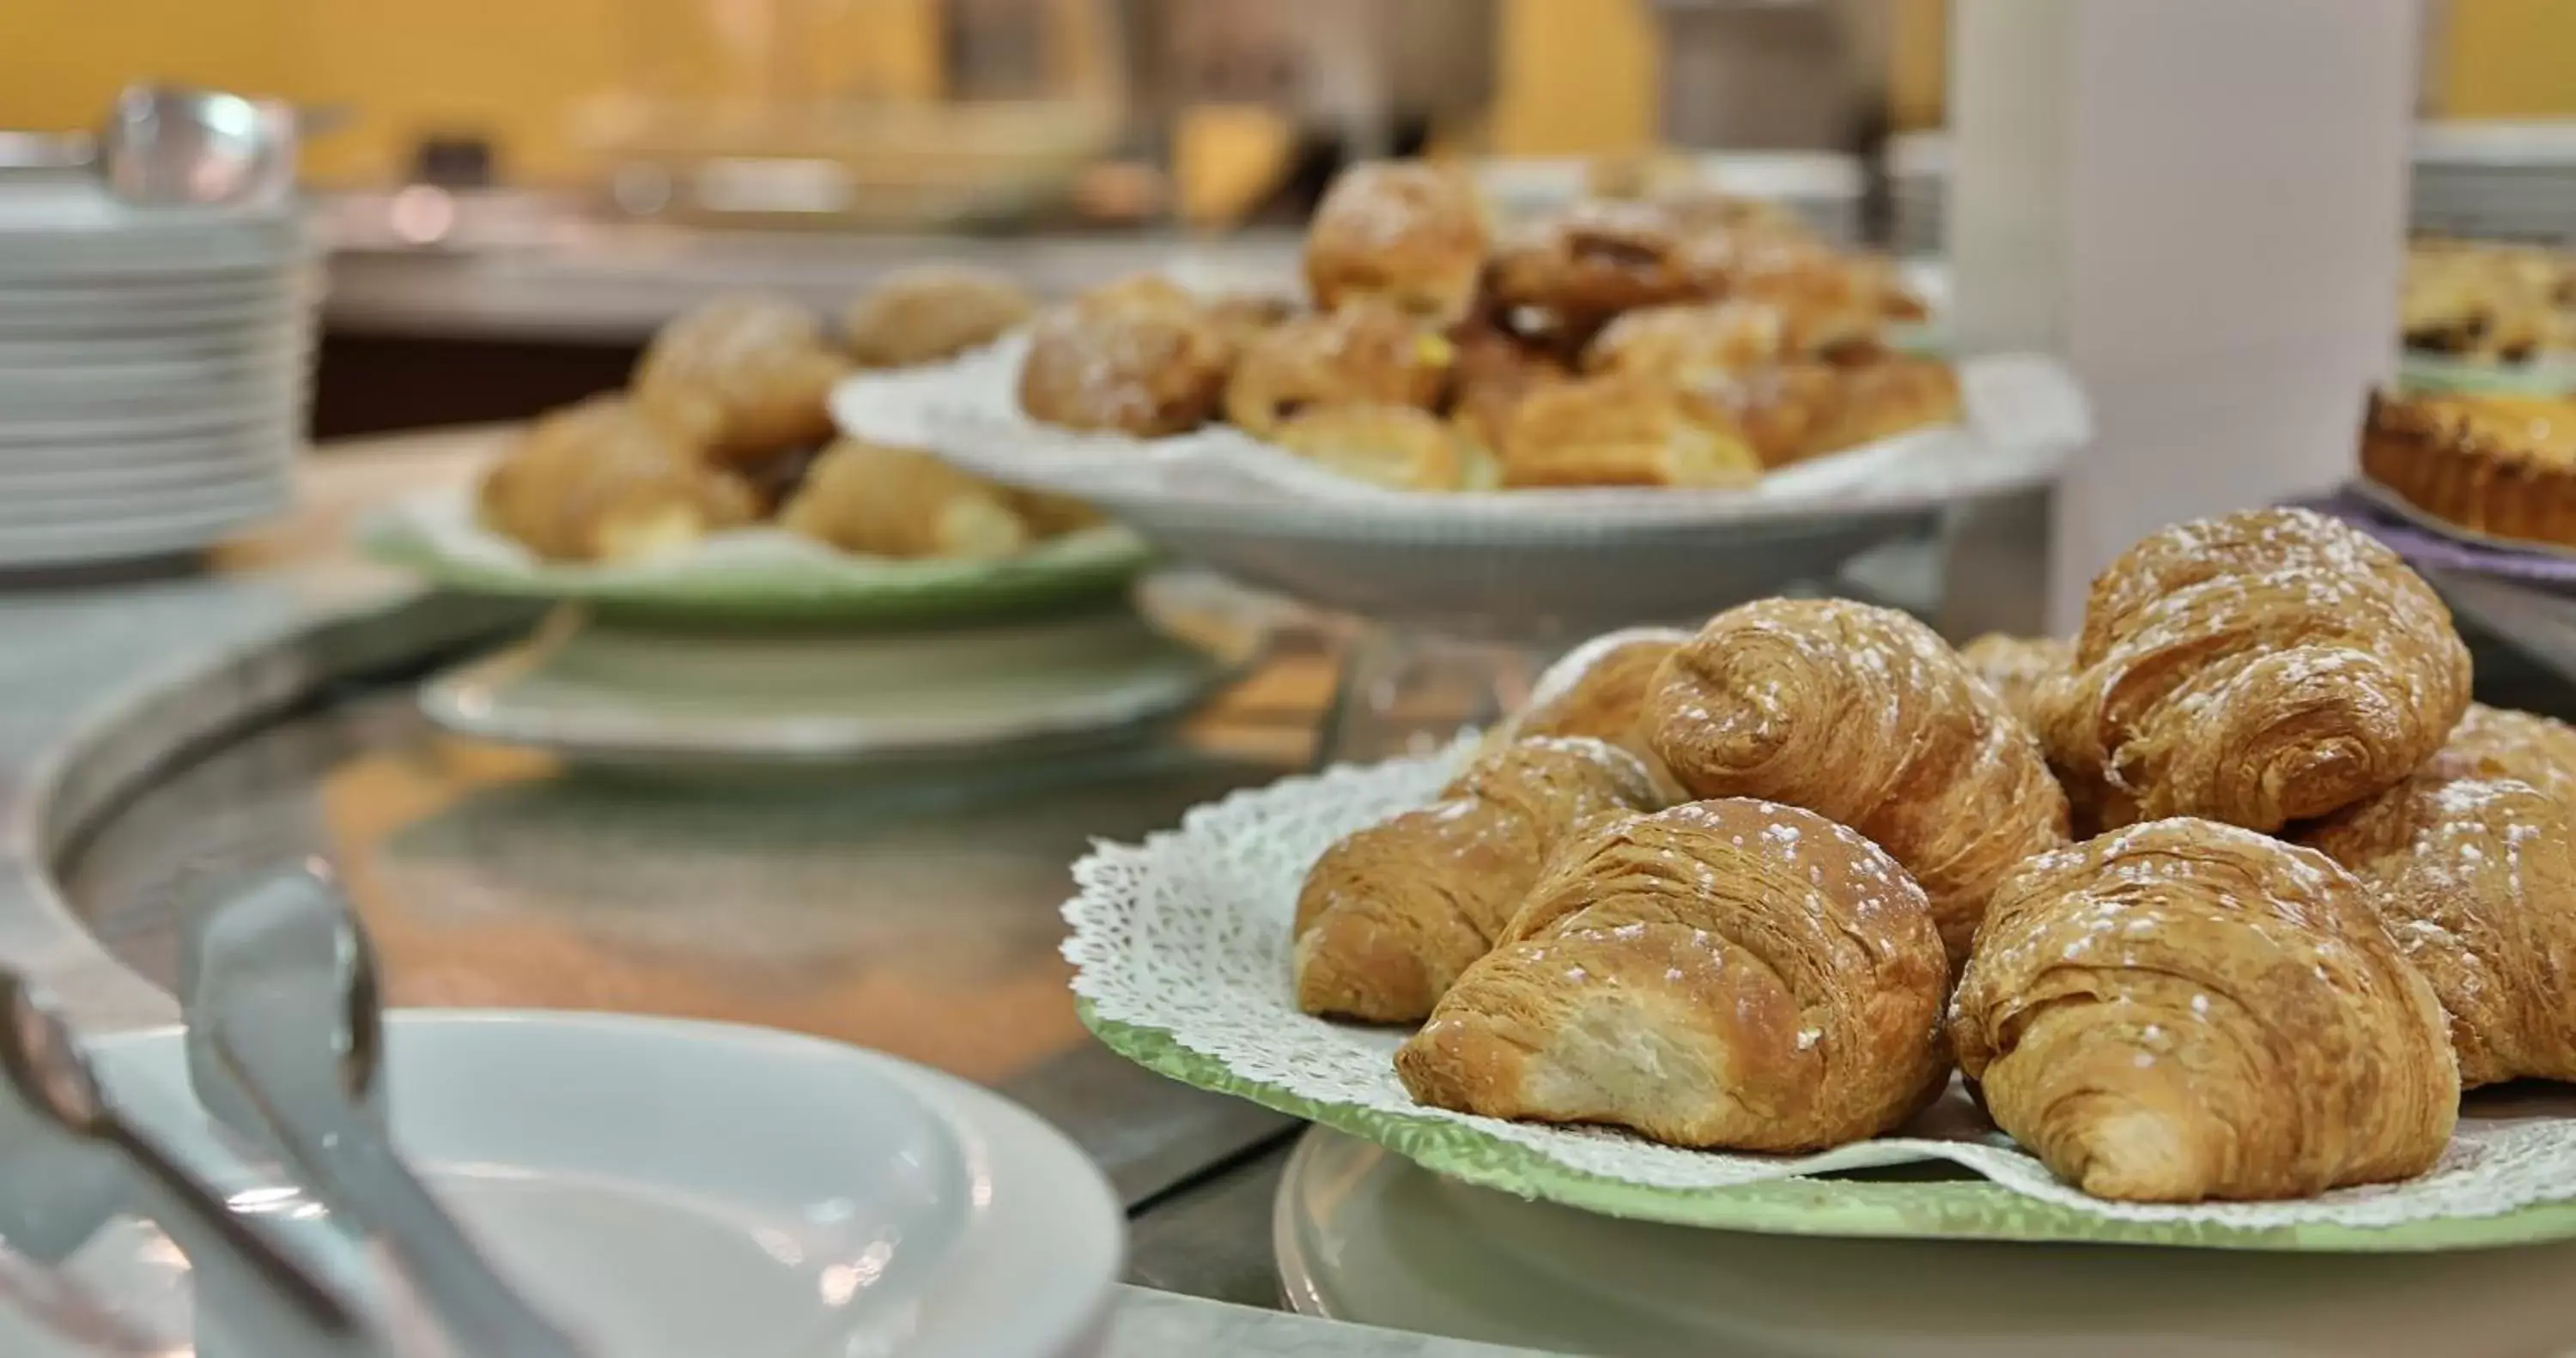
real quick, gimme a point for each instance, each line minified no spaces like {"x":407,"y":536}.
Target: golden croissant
{"x":1862,"y":715}
{"x":1598,"y":689}
{"x":2015,"y":666}
{"x":2476,"y":882}
{"x":1390,"y":915}
{"x":2497,"y":742}
{"x":2258,"y":668}
{"x":2185,"y":1010}
{"x":1728,"y":973}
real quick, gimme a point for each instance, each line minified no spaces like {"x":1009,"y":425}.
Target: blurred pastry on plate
{"x":1399,"y":447}
{"x":2184,"y":1010}
{"x":2475,"y":881}
{"x":932,"y":313}
{"x":1863,"y":715}
{"x":1883,"y":400}
{"x":2498,"y":742}
{"x":1242,"y":316}
{"x":741,"y":377}
{"x":1620,"y":431}
{"x":2503,"y":465}
{"x":1390,"y":914}
{"x":1595,"y":260}
{"x":1693,"y":342}
{"x":1493,"y":372}
{"x":1138,"y":356}
{"x":601,"y":482}
{"x":1724,"y":974}
{"x":1407,"y":233}
{"x":2500,"y":303}
{"x":1363,"y":353}
{"x":1786,"y":412}
{"x":2257,"y":668}
{"x":1052,"y":516}
{"x":872,"y":500}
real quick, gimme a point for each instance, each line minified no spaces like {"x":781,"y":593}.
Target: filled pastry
{"x":2497,"y":742}
{"x":1050,"y":516}
{"x":2258,"y":668}
{"x":1725,"y":974}
{"x":1405,"y":233}
{"x":1365,"y":353}
{"x":2475,"y":880}
{"x":1865,"y":716}
{"x":1136,"y":357}
{"x":1390,"y":915}
{"x":741,"y":378}
{"x":896,"y":502}
{"x":1883,"y":399}
{"x":928,"y":314}
{"x":1493,"y":371}
{"x":1400,"y":447}
{"x":2184,"y":1010}
{"x":1786,"y":412}
{"x":1243,"y":316}
{"x":599,"y":481}
{"x":1696,"y":342}
{"x":1622,"y":431}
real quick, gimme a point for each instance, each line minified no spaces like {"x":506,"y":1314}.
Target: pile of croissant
{"x":726,"y":423}
{"x":2228,"y":898}
{"x":1674,"y":338}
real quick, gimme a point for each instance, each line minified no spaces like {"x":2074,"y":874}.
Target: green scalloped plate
{"x":783,"y":587}
{"x":1882,"y":1203}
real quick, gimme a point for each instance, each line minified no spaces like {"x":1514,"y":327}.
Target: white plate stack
{"x":153,"y":371}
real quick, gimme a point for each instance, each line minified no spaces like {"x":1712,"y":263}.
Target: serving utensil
{"x":285,"y":1045}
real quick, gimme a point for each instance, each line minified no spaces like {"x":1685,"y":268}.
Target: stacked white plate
{"x":153,"y":371}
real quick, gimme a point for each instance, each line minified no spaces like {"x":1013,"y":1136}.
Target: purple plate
{"x":2425,"y":548}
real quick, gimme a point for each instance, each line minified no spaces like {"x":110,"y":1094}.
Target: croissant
{"x":896,"y":502}
{"x":2475,"y":881}
{"x":2014,"y":666}
{"x":2258,"y":668}
{"x":1599,"y":688}
{"x":1728,"y":973}
{"x":1390,"y":915}
{"x":1864,"y":716}
{"x":2186,"y":1010}
{"x":2496,"y":742}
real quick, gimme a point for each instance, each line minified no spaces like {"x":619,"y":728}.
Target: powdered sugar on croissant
{"x":2257,"y":668}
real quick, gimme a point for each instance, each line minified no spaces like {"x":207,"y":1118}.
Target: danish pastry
{"x":599,"y":481}
{"x":1862,"y":715}
{"x":1390,"y":915}
{"x":896,"y":502}
{"x":1135,"y":357}
{"x":1366,"y":353}
{"x":2185,"y":1010}
{"x":925,"y":315}
{"x":1622,"y":431}
{"x":741,"y":378}
{"x":1881,"y":400}
{"x":2504,"y":465}
{"x":1493,"y":372}
{"x":1785,"y":411}
{"x":1687,"y":343}
{"x":2475,"y":881}
{"x":1722,"y":974}
{"x":2258,"y":668}
{"x":1405,"y":233}
{"x":1596,"y":260}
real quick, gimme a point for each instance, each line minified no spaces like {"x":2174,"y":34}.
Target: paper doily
{"x":1181,"y":951}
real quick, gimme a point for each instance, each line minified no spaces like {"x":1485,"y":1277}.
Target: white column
{"x":2201,"y":204}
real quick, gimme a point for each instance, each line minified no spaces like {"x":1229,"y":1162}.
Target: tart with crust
{"x":2502,"y":465}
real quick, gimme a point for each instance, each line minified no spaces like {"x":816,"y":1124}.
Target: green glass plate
{"x":761,"y":578}
{"x":1876,"y":1203}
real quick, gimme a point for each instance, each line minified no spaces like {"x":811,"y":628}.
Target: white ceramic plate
{"x":259,"y":339}
{"x":82,"y":544}
{"x":660,"y":700}
{"x":673,"y":1189}
{"x":107,"y":432}
{"x":1365,"y":1235}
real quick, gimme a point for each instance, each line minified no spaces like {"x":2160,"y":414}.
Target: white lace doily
{"x":1188,"y":934}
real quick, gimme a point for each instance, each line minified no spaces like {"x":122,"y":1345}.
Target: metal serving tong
{"x":92,"y":1159}
{"x":286,"y":1046}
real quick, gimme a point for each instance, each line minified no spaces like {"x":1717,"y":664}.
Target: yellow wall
{"x":1575,"y":75}
{"x":2509,"y":59}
